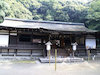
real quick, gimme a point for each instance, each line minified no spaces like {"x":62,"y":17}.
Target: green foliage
{"x":4,"y":10}
{"x":17,"y":10}
{"x":57,"y":10}
{"x":94,"y":15}
{"x":54,"y":10}
{"x":1,"y":19}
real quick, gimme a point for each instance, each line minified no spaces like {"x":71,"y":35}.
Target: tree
{"x":94,"y":15}
{"x":4,"y":10}
{"x":53,"y":10}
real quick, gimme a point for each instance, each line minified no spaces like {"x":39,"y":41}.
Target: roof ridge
{"x":43,"y":21}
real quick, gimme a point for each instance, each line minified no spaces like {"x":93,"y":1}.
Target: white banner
{"x":4,"y":40}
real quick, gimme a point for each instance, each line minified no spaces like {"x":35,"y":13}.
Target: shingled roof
{"x":49,"y":25}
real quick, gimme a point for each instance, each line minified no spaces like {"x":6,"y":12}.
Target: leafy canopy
{"x":54,"y":10}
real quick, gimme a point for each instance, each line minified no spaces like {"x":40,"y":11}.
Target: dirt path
{"x":85,"y":68}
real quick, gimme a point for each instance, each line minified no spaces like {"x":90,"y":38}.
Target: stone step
{"x":60,"y":60}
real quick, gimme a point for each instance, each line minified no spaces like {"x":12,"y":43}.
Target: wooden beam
{"x":9,"y":38}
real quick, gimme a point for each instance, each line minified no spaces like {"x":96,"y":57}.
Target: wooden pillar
{"x":96,"y":43}
{"x":17,"y":37}
{"x":15,"y":52}
{"x":8,"y":52}
{"x":17,"y":41}
{"x":32,"y":37}
{"x":62,"y":42}
{"x":0,"y":51}
{"x":71,"y":42}
{"x":9,"y":38}
{"x":44,"y":54}
{"x":84,"y":44}
{"x":32,"y":43}
{"x":16,"y":45}
{"x":31,"y":53}
{"x":9,"y":42}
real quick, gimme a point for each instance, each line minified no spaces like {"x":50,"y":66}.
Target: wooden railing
{"x":35,"y":46}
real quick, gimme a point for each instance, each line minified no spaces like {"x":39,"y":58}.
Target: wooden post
{"x":15,"y":53}
{"x":55,"y":58}
{"x":88,"y":55}
{"x":49,"y":57}
{"x":73,"y":54}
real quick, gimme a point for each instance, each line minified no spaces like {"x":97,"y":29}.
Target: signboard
{"x":90,"y":43}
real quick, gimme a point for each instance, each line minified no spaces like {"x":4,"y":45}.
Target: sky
{"x":83,"y":0}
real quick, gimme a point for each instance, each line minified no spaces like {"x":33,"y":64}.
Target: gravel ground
{"x":83,"y":68}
